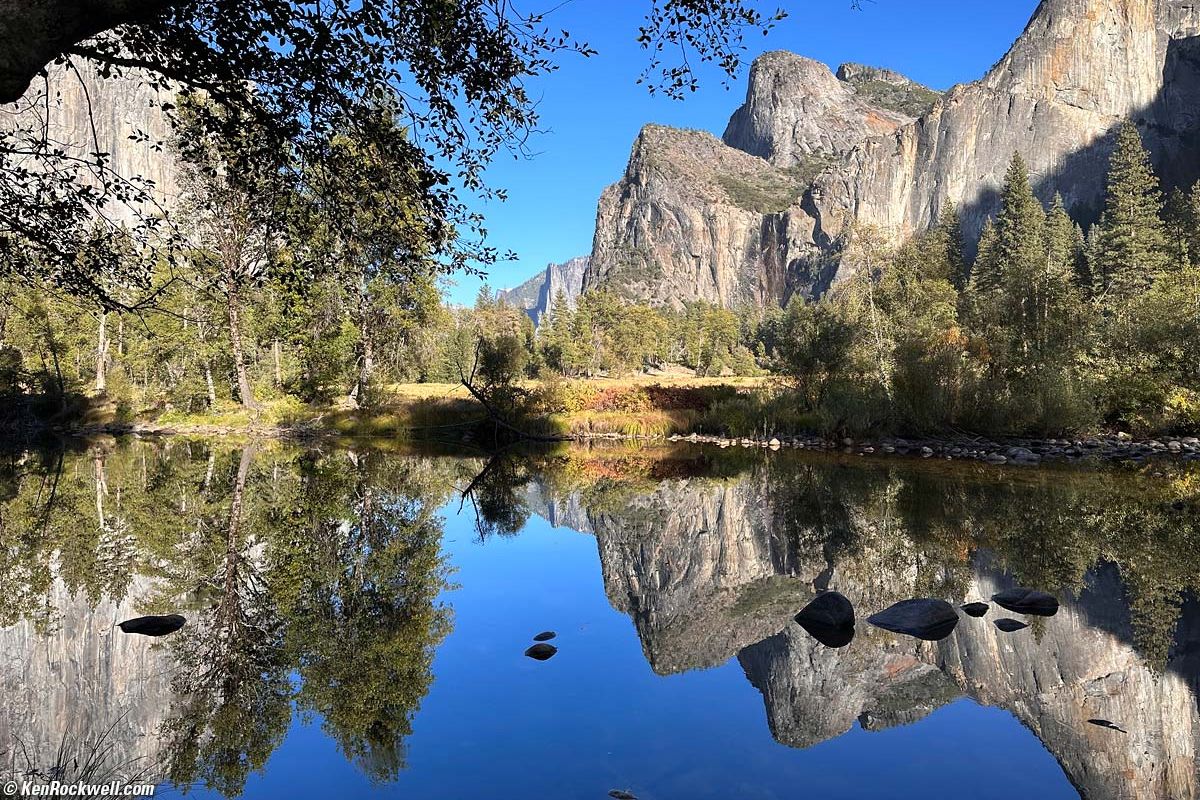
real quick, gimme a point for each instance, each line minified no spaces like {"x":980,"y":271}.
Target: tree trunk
{"x":366,"y":351}
{"x":234,"y":312}
{"x":275,"y":354}
{"x":208,"y":382}
{"x":34,"y":32}
{"x":102,"y":355}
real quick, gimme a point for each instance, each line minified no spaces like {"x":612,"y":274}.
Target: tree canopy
{"x":455,"y":73}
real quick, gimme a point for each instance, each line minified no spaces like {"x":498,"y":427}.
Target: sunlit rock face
{"x":83,"y":690}
{"x":797,"y":109}
{"x":538,"y":295}
{"x":1080,"y":68}
{"x":84,"y":112}
{"x":695,"y":219}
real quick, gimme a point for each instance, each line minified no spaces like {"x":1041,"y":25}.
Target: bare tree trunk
{"x":366,"y":351}
{"x":234,"y":312}
{"x":275,"y":354}
{"x":102,"y":355}
{"x":101,"y":481}
{"x":208,"y":382}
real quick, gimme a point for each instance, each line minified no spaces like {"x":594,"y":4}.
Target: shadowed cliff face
{"x":709,"y":570}
{"x":1080,"y":68}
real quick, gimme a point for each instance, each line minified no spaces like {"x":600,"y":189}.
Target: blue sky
{"x":592,"y":108}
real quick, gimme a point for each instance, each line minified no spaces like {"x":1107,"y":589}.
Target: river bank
{"x":705,"y":414}
{"x":1016,"y":451}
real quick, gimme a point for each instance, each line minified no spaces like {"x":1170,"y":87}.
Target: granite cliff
{"x":82,"y":112}
{"x":538,"y":295}
{"x":811,"y":152}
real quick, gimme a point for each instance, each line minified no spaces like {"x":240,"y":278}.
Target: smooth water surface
{"x":357,"y":624}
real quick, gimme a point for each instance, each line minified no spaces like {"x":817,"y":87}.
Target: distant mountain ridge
{"x":537,"y":295}
{"x":758,"y":216}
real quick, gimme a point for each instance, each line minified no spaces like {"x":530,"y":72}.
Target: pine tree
{"x":1057,"y":296}
{"x":946,"y":261}
{"x":1061,"y":240}
{"x":1180,"y":227}
{"x":1133,"y":242}
{"x":1019,"y":227}
{"x":985,"y":273}
{"x":1020,"y":258}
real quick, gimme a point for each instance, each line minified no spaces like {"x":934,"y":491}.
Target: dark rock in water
{"x":1028,"y":601}
{"x":829,"y":608}
{"x":153,"y":625}
{"x":830,"y":637}
{"x":541,"y":652}
{"x":924,"y":618}
{"x":976,"y":609}
{"x":1112,"y":726}
{"x":545,"y":636}
{"x":829,"y":619}
{"x":1010,"y":625}
{"x":620,"y":794}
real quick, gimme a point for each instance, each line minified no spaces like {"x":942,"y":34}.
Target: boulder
{"x":829,"y":619}
{"x":928,"y":619}
{"x":154,"y":625}
{"x":1010,"y":625}
{"x":1027,"y":601}
{"x":976,"y":609}
{"x":541,"y":652}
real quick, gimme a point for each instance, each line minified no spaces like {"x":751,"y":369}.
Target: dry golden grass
{"x":448,"y":390}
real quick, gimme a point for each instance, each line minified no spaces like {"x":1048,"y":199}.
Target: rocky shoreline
{"x":1117,"y":448}
{"x":1017,"y":451}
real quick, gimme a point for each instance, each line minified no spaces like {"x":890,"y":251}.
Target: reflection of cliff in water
{"x":712,"y":569}
{"x":309,"y":583}
{"x":81,"y":690}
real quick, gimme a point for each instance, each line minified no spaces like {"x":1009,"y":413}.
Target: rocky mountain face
{"x":83,"y":112}
{"x":868,"y":145}
{"x":538,"y":295}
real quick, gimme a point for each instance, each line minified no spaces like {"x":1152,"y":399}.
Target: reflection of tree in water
{"x":231,"y":678}
{"x":497,"y":494}
{"x":325,"y":567}
{"x":361,"y":608}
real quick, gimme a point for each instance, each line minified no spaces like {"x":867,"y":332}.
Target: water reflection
{"x":312,"y":583}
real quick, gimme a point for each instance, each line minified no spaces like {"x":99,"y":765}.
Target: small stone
{"x":976,"y":609}
{"x":1103,"y":723}
{"x":1010,"y":625}
{"x":621,"y":794}
{"x":541,"y":652}
{"x":153,"y":625}
{"x":545,"y":636}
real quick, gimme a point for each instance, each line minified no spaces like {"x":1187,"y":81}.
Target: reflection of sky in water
{"x":596,"y":717}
